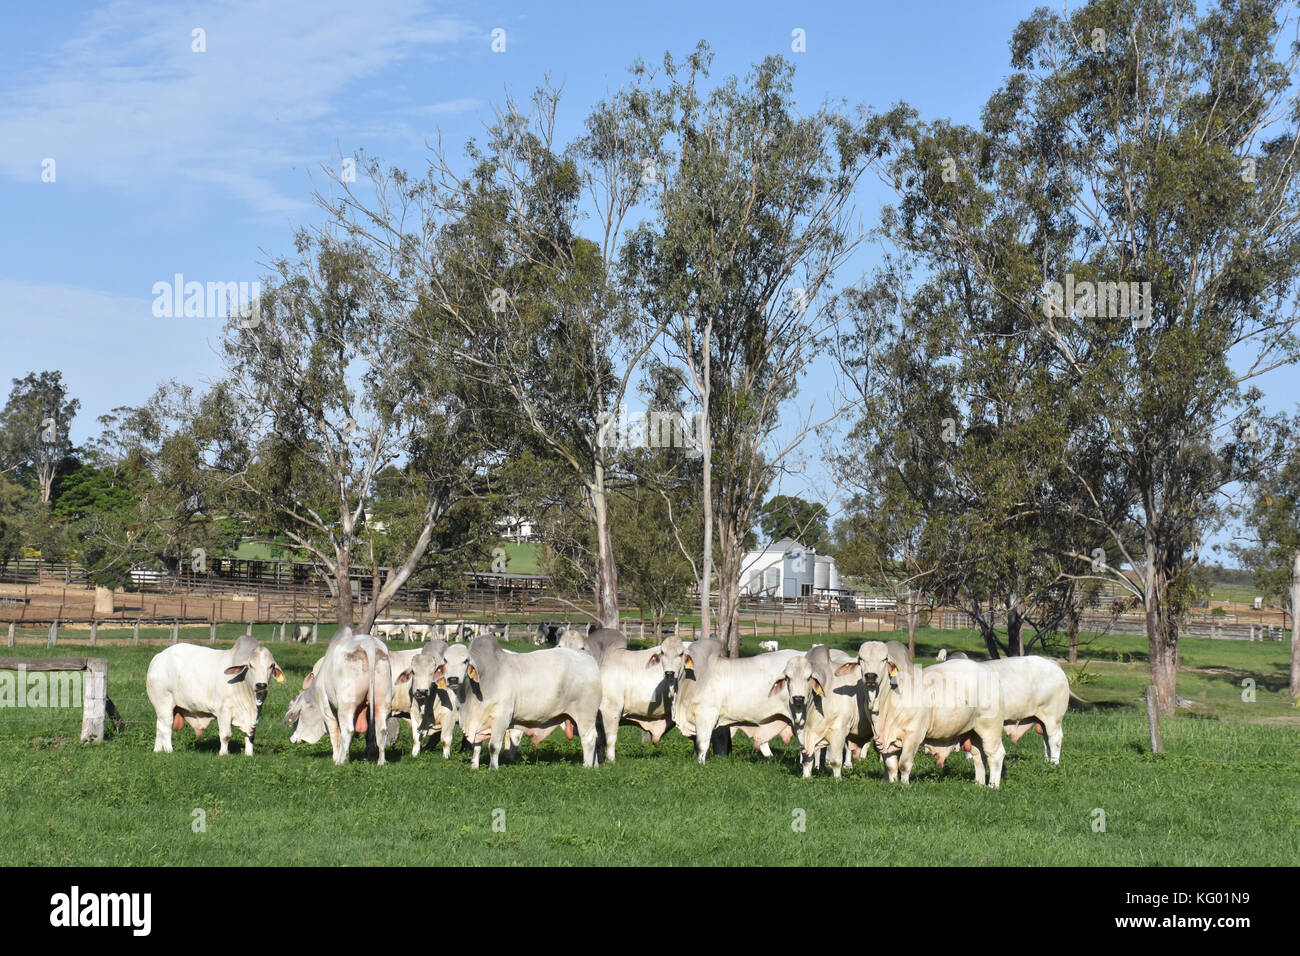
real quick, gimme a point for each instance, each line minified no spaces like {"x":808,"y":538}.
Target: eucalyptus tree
{"x":35,"y":426}
{"x":325,"y":392}
{"x":1131,"y":198}
{"x":527,"y":304}
{"x":751,"y":216}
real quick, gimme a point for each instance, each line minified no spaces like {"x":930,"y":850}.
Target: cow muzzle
{"x":799,"y":701}
{"x":453,"y":681}
{"x":421,"y":694}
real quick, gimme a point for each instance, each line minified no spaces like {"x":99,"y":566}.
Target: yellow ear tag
{"x":689,"y":663}
{"x":442,"y":683}
{"x":471,"y":672}
{"x":893,"y":669}
{"x":817,"y":688}
{"x":280,"y":679}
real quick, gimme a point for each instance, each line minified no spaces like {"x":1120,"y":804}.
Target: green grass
{"x":1225,"y":791}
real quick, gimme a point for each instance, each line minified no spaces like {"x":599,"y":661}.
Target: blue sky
{"x":173,"y":161}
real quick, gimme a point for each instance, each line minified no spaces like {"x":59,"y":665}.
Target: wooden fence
{"x":95,"y":704}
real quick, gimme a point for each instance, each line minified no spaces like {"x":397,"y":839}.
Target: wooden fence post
{"x":314,"y":626}
{"x":12,"y":639}
{"x":212,"y":632}
{"x":94,"y":632}
{"x":248,"y":631}
{"x":135,"y":633}
{"x":176,"y":631}
{"x":1153,"y":721}
{"x":92,"y":699}
{"x":53,"y":639}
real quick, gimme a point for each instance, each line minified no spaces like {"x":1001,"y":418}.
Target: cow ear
{"x":277,"y":674}
{"x":307,"y":681}
{"x":471,"y":671}
{"x":893,"y":669}
{"x":817,"y":686}
{"x":845,"y":668}
{"x":777,"y":688}
{"x":403,"y":677}
{"x":654,"y":659}
{"x":237,"y":669}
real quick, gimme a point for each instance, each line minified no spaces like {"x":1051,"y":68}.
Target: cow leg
{"x":807,"y":762}
{"x":1052,"y":738}
{"x":162,"y":738}
{"x":835,"y":753}
{"x":347,"y":727}
{"x":473,"y":763}
{"x":848,"y":757}
{"x":609,"y":718}
{"x":588,"y":737}
{"x":497,"y":740}
{"x":248,"y":741}
{"x":890,"y":760}
{"x":905,"y":760}
{"x":415,"y":731}
{"x":704,"y":724}
{"x":223,"y":731}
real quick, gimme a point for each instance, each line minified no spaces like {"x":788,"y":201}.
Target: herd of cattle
{"x":835,"y":704}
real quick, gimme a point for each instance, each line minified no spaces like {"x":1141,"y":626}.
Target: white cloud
{"x":126,"y":102}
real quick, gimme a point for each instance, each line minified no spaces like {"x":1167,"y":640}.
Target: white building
{"x":786,"y":569}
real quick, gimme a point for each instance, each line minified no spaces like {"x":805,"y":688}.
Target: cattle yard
{"x":1213,"y":797}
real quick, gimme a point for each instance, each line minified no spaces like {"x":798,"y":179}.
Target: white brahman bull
{"x":732,"y":693}
{"x":637,"y":687}
{"x":958,"y":702}
{"x":829,"y":709}
{"x":348,"y":691}
{"x":196,"y":685}
{"x":414,"y":690}
{"x":1035,"y":694}
{"x":535,"y":693}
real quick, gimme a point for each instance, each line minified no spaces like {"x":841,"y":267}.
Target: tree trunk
{"x":343,"y":580}
{"x":1294,"y":688}
{"x":606,"y":569}
{"x":912,"y":615}
{"x":729,"y":542}
{"x":1015,"y":625}
{"x":1072,"y":623}
{"x":1161,"y":619}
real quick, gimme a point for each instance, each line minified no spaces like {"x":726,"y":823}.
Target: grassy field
{"x":1226,"y":791}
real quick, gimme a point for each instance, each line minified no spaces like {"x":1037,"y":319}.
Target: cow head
{"x":257,"y":667}
{"x":801,"y":685}
{"x":305,"y":715}
{"x":422,"y":676}
{"x":455,"y":671}
{"x":671,"y":657}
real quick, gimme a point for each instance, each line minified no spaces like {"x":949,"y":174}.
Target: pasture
{"x":1226,"y":791}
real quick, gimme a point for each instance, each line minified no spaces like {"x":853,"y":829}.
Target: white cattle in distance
{"x":732,"y":693}
{"x":535,"y":693}
{"x":348,"y":691}
{"x":769,"y":646}
{"x":196,"y":685}
{"x":958,"y":702}
{"x":302,"y":633}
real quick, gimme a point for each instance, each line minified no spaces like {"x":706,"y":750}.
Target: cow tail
{"x":370,"y":698}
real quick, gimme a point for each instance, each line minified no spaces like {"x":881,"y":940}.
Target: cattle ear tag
{"x":279,"y":676}
{"x":817,"y":688}
{"x":471,"y":672}
{"x":442,"y":683}
{"x":893,"y":669}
